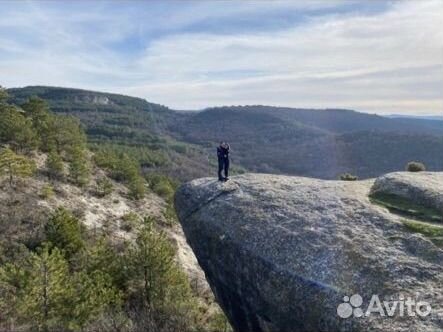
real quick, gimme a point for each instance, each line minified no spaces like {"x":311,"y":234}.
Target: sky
{"x":373,"y":56}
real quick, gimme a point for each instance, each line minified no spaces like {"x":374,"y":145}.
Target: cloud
{"x":388,"y":59}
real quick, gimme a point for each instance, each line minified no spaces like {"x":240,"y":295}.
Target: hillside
{"x":316,"y":143}
{"x":88,"y":242}
{"x":116,"y":220}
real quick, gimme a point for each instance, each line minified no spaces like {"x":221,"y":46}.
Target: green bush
{"x":104,"y":187}
{"x":47,"y":295}
{"x":15,"y":166}
{"x":65,"y":232}
{"x":162,"y":185}
{"x":54,"y":165}
{"x":123,"y":168}
{"x":106,"y":159}
{"x":17,"y":130}
{"x":79,"y":170}
{"x":46,"y":192}
{"x":348,"y":177}
{"x":107,"y":155}
{"x":136,"y":188}
{"x":180,"y":148}
{"x":129,"y":221}
{"x":415,"y":166}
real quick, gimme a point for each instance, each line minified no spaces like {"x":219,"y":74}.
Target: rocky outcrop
{"x":425,"y":188}
{"x":284,"y":253}
{"x":92,"y":99}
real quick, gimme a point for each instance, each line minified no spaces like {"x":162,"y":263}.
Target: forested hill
{"x":127,"y":124}
{"x":317,"y":143}
{"x":104,"y":114}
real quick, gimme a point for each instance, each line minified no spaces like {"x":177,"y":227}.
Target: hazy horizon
{"x":370,"y":56}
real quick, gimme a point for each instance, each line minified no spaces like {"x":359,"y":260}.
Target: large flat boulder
{"x":282,"y":253}
{"x":425,"y":188}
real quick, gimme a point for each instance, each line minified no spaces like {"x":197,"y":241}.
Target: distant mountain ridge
{"x":316,"y":143}
{"x":60,"y":94}
{"x":340,"y":120}
{"x":418,"y":117}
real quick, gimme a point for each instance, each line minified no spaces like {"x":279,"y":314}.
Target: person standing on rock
{"x":223,"y":161}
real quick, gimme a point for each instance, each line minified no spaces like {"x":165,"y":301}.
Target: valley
{"x":304,"y":142}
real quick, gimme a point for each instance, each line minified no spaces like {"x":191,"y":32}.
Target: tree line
{"x":32,"y":126}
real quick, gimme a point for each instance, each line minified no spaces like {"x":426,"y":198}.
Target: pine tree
{"x":152,"y":260}
{"x":94,"y":293}
{"x":104,"y":257}
{"x":12,"y":279}
{"x":37,"y":110}
{"x":79,"y":170}
{"x":14,"y":165}
{"x":65,"y":232}
{"x":47,"y":290}
{"x":137,"y":188}
{"x":125,"y":169}
{"x":104,"y":187}
{"x":54,"y":165}
{"x":68,"y":136}
{"x":159,"y":285}
{"x":16,"y":129}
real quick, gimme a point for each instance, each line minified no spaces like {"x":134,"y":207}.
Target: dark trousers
{"x":223,"y":164}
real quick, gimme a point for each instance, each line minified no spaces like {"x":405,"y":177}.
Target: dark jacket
{"x":223,"y":153}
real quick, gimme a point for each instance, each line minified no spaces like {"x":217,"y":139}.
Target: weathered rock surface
{"x":424,"y":188}
{"x":281,"y":253}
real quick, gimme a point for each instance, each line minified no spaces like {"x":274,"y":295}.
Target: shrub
{"x":179,"y":148}
{"x":162,"y":185}
{"x":136,"y":188}
{"x":104,"y":187}
{"x":15,"y":166}
{"x":122,"y":168}
{"x":106,"y":159}
{"x":129,"y":221}
{"x":16,"y":130}
{"x":79,"y":170}
{"x":348,"y":177}
{"x":415,"y":166}
{"x":46,"y":192}
{"x":65,"y":232}
{"x":54,"y":165}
